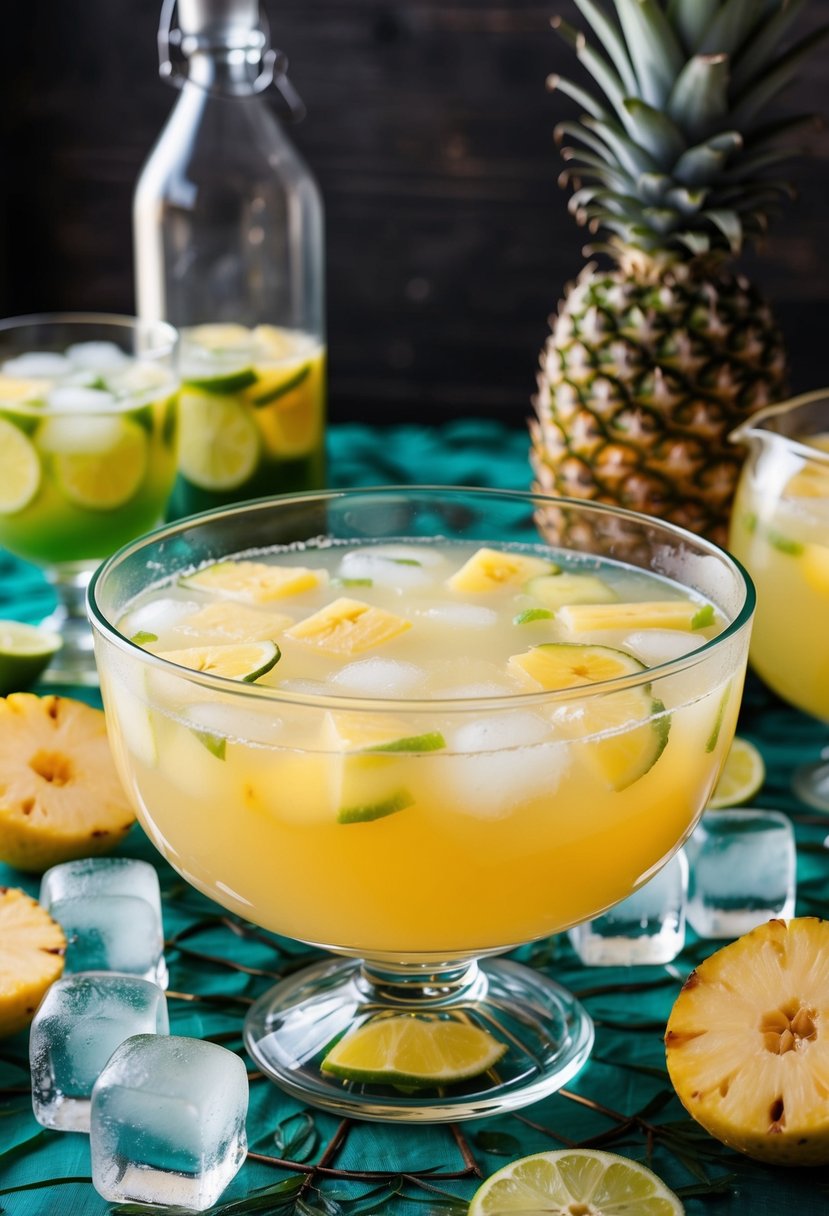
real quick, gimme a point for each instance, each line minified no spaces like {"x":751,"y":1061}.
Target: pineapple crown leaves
{"x":672,"y":156}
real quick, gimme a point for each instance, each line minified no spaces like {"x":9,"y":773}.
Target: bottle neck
{"x":225,"y":72}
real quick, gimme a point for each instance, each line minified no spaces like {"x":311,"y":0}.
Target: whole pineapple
{"x":651,"y":363}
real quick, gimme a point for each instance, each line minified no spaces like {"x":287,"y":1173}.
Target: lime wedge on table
{"x":25,"y":652}
{"x":742,"y":776}
{"x":246,"y":661}
{"x":218,"y":442}
{"x":413,"y":1052}
{"x":98,"y":462}
{"x":572,"y":1181}
{"x":19,"y":469}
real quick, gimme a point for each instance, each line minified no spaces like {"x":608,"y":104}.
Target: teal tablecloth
{"x":622,"y":1098}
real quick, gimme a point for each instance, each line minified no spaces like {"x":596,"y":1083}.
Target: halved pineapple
{"x":60,"y":796}
{"x":348,"y":627}
{"x":748,"y":1043}
{"x":32,"y":946}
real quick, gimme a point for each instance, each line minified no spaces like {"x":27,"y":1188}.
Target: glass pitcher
{"x":228,"y":228}
{"x":780,"y":531}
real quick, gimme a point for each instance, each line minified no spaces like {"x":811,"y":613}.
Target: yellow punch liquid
{"x":463,"y":747}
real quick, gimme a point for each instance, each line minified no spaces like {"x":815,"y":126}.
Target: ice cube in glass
{"x":742,"y":871}
{"x":168,"y":1122}
{"x":647,"y":927}
{"x":79,"y":1023}
{"x":110,"y":910}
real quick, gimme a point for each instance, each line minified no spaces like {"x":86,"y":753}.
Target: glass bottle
{"x":229,"y":248}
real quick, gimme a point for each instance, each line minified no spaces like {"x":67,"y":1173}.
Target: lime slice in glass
{"x":223,"y":382}
{"x":19,"y":469}
{"x":25,"y":651}
{"x":575,"y":1180}
{"x":218,"y":443}
{"x":413,"y":1052}
{"x":98,"y":463}
{"x":246,"y":661}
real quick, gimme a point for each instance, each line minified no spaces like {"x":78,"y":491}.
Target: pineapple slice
{"x":32,"y":946}
{"x":490,"y":569}
{"x":347,"y":627}
{"x":621,"y":734}
{"x":644,"y":614}
{"x":253,"y":582}
{"x":556,"y":590}
{"x":222,"y":622}
{"x":748,"y":1043}
{"x":60,"y":796}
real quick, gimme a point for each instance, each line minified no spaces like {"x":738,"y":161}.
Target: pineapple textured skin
{"x":641,"y":384}
{"x":673,"y":162}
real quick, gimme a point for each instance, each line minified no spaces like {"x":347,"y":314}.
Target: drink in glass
{"x":251,"y":415}
{"x":396,"y":725}
{"x":87,"y":450}
{"x":780,"y":531}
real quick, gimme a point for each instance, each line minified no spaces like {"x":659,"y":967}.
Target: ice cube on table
{"x":654,"y":646}
{"x":78,"y":1025}
{"x":110,"y":911}
{"x":96,"y":356}
{"x":742,"y":871}
{"x":378,"y":678}
{"x":37,"y":363}
{"x":168,"y":1122}
{"x":647,"y":927}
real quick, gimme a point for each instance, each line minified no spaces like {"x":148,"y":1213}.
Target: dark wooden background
{"x":430,"y":131}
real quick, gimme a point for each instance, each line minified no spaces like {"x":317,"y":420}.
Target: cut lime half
{"x":413,"y":1052}
{"x":25,"y":651}
{"x":246,"y":661}
{"x":575,"y":1182}
{"x":218,"y":443}
{"x":19,"y":469}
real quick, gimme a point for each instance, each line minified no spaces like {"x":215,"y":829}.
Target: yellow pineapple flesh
{"x":32,"y":947}
{"x":747,"y":1043}
{"x":348,"y":627}
{"x":252,"y":582}
{"x":60,"y":796}
{"x":489,"y":569}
